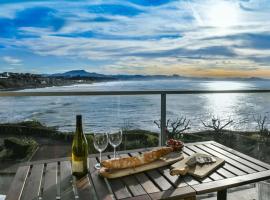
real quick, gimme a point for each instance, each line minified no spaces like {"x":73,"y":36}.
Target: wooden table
{"x":52,"y":179}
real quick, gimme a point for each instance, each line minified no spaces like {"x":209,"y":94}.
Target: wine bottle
{"x":79,"y":150}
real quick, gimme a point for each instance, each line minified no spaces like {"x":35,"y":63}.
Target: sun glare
{"x":225,"y":85}
{"x":222,"y":14}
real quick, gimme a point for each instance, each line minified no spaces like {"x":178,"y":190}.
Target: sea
{"x":109,"y":113}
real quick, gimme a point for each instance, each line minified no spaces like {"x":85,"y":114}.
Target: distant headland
{"x":17,"y":81}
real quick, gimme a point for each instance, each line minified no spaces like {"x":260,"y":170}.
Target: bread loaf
{"x":147,"y":157}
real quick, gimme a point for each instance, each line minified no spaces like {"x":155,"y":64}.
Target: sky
{"x":209,"y":38}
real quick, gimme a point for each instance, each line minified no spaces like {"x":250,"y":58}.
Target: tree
{"x":216,"y":124}
{"x":261,"y":125}
{"x":174,"y":128}
{"x":263,"y":133}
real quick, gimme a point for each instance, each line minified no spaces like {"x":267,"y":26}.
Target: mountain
{"x":85,"y":74}
{"x":78,"y":73}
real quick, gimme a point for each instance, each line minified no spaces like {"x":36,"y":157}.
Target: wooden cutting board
{"x":163,"y":161}
{"x":199,"y":171}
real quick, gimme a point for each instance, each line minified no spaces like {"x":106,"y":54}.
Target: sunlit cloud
{"x":191,"y":38}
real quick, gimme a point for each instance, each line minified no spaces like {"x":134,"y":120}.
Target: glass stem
{"x":114,"y":152}
{"x":100,"y":157}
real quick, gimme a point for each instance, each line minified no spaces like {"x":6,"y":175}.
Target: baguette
{"x":147,"y":157}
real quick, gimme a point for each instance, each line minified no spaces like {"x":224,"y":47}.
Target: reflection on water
{"x":103,"y":112}
{"x":226,"y":85}
{"x":223,"y":105}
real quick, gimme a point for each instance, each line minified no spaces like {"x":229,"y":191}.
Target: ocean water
{"x":101,"y":113}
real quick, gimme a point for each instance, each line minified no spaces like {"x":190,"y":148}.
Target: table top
{"x":52,"y":179}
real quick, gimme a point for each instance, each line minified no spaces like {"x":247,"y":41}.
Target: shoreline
{"x":46,"y":86}
{"x":18,"y":81}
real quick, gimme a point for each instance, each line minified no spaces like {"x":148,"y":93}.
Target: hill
{"x":78,"y":73}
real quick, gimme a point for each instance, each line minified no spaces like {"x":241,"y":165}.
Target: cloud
{"x":112,"y":9}
{"x":151,"y":2}
{"x":12,"y":60}
{"x":246,"y":8}
{"x":247,"y":40}
{"x":101,"y":19}
{"x":96,"y":35}
{"x":201,"y":53}
{"x":136,"y":36}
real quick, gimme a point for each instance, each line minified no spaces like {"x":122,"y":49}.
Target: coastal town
{"x":17,"y":81}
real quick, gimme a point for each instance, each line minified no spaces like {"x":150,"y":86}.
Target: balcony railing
{"x":162,"y":94}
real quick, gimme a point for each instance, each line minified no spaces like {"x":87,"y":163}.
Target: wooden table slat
{"x":224,"y":172}
{"x":159,"y":180}
{"x":66,"y":186}
{"x":84,"y":188}
{"x":258,"y":162}
{"x":18,"y":183}
{"x":206,"y":179}
{"x":228,"y":159}
{"x":33,"y":183}
{"x":232,"y":182}
{"x":233,"y":170}
{"x":50,"y":178}
{"x":156,"y":177}
{"x":146,"y":183}
{"x":190,"y":180}
{"x":215,"y":176}
{"x":226,"y":166}
{"x":140,"y":197}
{"x":134,"y":187}
{"x":132,"y":183}
{"x":119,"y":188}
{"x":196,"y":143}
{"x":178,"y":193}
{"x":236,"y":157}
{"x":177,"y":181}
{"x":101,"y":187}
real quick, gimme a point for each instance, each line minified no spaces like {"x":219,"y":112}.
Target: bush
{"x":17,"y":148}
{"x":32,"y":124}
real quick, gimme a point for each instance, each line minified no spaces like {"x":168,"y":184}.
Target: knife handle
{"x":179,"y":171}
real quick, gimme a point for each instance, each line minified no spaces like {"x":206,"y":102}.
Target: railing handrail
{"x":125,"y":92}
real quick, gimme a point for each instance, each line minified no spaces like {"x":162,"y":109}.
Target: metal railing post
{"x":162,"y":137}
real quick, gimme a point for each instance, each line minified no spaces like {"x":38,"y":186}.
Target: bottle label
{"x":77,"y":166}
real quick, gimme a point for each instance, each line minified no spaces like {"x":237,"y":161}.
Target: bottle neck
{"x":79,"y":129}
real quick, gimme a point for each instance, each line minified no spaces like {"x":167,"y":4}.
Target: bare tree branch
{"x":157,"y":122}
{"x":167,"y":124}
{"x":175,"y":127}
{"x":261,"y":124}
{"x":230,"y":121}
{"x":216,"y":124}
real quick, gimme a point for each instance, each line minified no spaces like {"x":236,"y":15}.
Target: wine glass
{"x":115,"y":139}
{"x":100,"y":144}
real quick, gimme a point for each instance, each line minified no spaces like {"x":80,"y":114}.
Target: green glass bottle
{"x":79,"y":150}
